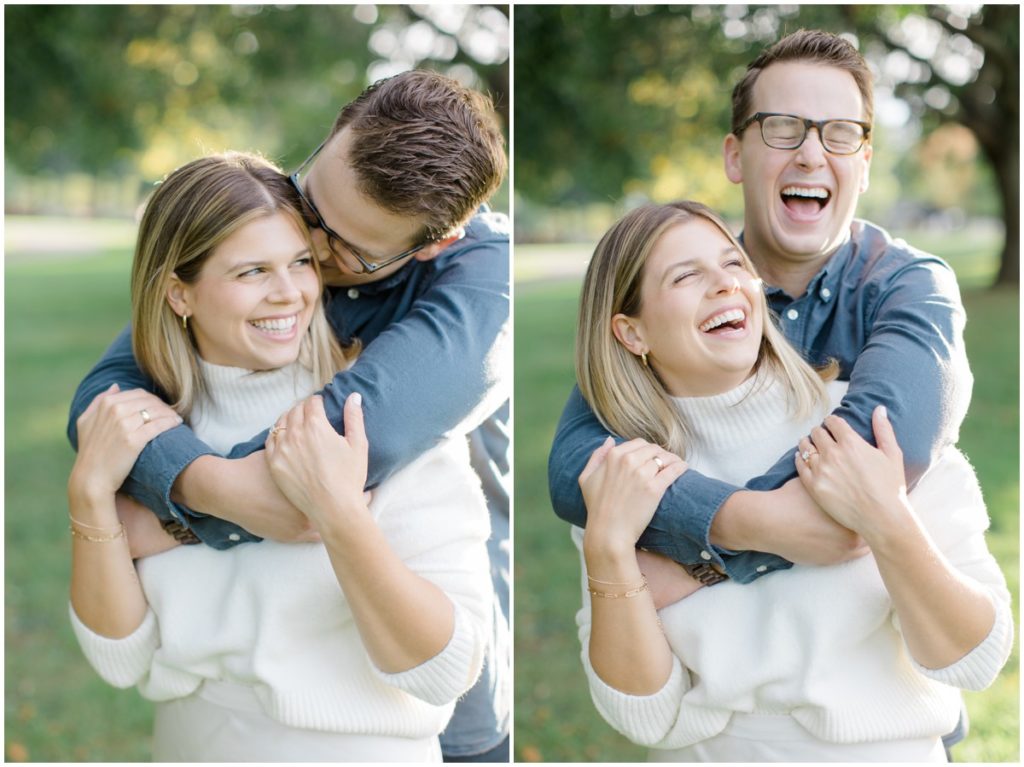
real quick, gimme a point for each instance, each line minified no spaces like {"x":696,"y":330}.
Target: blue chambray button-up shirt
{"x":893,"y":319}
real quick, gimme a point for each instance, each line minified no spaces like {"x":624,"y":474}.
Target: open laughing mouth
{"x":282,"y":326}
{"x":805,"y":201}
{"x":725,"y":322}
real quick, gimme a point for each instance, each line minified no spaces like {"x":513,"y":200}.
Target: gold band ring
{"x":146,"y":417}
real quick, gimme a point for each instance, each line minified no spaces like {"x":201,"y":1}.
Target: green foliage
{"x":555,"y":719}
{"x":615,"y":103}
{"x":112,"y":89}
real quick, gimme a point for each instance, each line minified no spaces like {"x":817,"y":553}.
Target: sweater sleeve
{"x":119,"y":662}
{"x":644,"y":719}
{"x":958,"y":530}
{"x":444,"y":541}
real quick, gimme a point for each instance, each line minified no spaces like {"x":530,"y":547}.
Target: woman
{"x":351,"y":649}
{"x":856,"y":662}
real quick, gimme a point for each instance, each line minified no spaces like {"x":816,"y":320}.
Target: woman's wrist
{"x":339,"y":521}
{"x":90,"y":497}
{"x":610,"y":560}
{"x":890,"y":528}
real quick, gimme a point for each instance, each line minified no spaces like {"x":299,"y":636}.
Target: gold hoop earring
{"x":643,"y":358}
{"x":184,"y":322}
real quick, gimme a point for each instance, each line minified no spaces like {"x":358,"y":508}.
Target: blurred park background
{"x":101,"y":103}
{"x":617,"y":105}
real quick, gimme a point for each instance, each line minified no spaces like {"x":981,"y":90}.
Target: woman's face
{"x":253,"y":301}
{"x":701,"y":320}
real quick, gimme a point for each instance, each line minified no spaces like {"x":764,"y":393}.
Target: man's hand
{"x":786,"y":522}
{"x":242,"y":491}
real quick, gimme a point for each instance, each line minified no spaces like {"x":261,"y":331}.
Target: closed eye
{"x":256,"y":270}
{"x":683,"y":276}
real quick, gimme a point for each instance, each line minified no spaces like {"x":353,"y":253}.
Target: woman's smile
{"x":255,"y":296}
{"x":700,"y":321}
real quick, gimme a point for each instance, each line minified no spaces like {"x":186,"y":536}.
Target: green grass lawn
{"x":554,"y":717}
{"x":60,"y":315}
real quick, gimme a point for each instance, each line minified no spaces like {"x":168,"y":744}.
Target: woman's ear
{"x":628,"y":331}
{"x":178,"y":296}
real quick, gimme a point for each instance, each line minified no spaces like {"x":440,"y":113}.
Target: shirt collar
{"x":825,"y":283}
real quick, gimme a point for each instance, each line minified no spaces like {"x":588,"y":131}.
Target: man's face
{"x":798,"y":203}
{"x":377,"y":233}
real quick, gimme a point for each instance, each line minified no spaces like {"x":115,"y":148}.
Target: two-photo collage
{"x":512,"y":383}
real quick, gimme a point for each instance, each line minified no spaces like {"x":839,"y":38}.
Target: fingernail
{"x":610,"y":439}
{"x":357,"y":398}
{"x":883,"y":411}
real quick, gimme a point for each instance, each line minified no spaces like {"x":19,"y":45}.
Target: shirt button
{"x":762,"y":568}
{"x":792,"y":314}
{"x":705,"y":556}
{"x":825,"y":292}
{"x":234,"y":537}
{"x":353,"y":293}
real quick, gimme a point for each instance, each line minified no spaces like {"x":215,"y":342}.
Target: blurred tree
{"x":967,"y":72}
{"x":142,"y":88}
{"x":617,"y":100}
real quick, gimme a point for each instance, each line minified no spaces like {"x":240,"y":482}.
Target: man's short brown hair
{"x":811,"y":45}
{"x":425,"y":146}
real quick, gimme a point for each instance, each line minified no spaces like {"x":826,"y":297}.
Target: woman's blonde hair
{"x":626,"y":395}
{"x":194,"y":210}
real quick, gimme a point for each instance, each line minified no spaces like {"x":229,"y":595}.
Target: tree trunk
{"x":1008,"y":173}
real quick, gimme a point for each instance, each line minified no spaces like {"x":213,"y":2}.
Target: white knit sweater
{"x":272,"y":616}
{"x":821,"y":644}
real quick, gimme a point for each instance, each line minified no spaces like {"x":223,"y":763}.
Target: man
{"x":417,"y":270}
{"x":891,"y":316}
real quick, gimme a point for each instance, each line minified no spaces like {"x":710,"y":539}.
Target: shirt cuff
{"x":450,"y":673}
{"x":644,"y":719}
{"x":979,"y":667}
{"x":119,"y":662}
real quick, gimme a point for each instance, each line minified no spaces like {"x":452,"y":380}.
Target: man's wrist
{"x":197,"y":483}
{"x":729,"y":529}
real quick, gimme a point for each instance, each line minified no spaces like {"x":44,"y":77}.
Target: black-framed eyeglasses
{"x":346,"y":252}
{"x":781,"y":131}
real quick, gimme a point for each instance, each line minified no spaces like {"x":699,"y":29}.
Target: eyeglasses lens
{"x":839,"y":136}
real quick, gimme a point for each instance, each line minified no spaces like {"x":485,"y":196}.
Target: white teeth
{"x":798,"y":191}
{"x":275,"y":326}
{"x":733,"y":315}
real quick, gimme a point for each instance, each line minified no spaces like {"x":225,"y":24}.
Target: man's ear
{"x":433,"y":250}
{"x":628,"y":331}
{"x":179,"y":296}
{"x":731,"y":156}
{"x":865,"y":176}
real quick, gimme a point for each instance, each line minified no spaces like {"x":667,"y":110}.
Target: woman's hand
{"x":317,"y":469}
{"x":622,"y":486}
{"x":112,"y":432}
{"x":858,"y":485}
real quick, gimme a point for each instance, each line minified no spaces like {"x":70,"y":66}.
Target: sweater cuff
{"x":119,"y":662}
{"x":979,"y":668}
{"x":443,"y":678}
{"x":644,"y":719}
